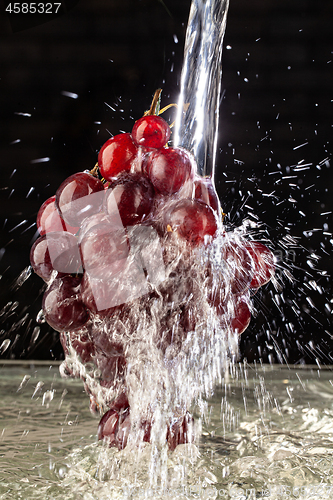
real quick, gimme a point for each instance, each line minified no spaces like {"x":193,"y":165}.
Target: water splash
{"x":281,"y":439}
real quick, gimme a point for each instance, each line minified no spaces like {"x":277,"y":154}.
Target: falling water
{"x":198,"y":107}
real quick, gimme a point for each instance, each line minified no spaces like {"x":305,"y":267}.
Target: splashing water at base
{"x":268,"y":433}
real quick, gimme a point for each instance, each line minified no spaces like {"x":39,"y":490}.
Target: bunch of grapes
{"x":122,"y":246}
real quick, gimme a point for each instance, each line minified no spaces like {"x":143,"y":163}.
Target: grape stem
{"x":94,"y":171}
{"x":155,"y":104}
{"x":173,"y":105}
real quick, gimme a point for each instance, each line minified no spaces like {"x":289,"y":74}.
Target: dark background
{"x":277,"y":95}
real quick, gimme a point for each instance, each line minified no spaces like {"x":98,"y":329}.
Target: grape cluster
{"x":125,"y":240}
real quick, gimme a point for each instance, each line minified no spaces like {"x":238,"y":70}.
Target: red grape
{"x":117,"y":155}
{"x":264,"y":266}
{"x":104,"y":250}
{"x":62,"y":306}
{"x":113,"y":279}
{"x":108,"y":427}
{"x":240,"y":266}
{"x":105,"y":342}
{"x":181,"y":431}
{"x":204,"y":190}
{"x":217,"y":292}
{"x":56,"y":251}
{"x":82,"y":345}
{"x":104,"y":296}
{"x":124,"y":428}
{"x":92,"y":221}
{"x":120,"y":403}
{"x":131,"y":197}
{"x":147,"y":254}
{"x":49,"y":219}
{"x":110,"y":423}
{"x":193,"y":221}
{"x":117,"y":435}
{"x":111,"y":366}
{"x":151,"y":132}
{"x":78,"y":197}
{"x":188,"y":318}
{"x":98,"y":302}
{"x":115,"y":426}
{"x":169,"y":169}
{"x":242,"y":315}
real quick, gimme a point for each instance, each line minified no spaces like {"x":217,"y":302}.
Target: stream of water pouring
{"x":199,"y":101}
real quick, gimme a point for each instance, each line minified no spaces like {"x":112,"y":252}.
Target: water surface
{"x":269,"y":435}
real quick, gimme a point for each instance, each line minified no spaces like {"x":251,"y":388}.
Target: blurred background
{"x":70,"y":80}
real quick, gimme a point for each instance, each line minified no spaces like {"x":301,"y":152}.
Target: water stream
{"x":199,"y":102}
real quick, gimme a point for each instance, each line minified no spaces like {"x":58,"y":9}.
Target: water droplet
{"x":35,"y":334}
{"x":40,"y":160}
{"x":40,"y":317}
{"x":47,"y":398}
{"x":72,"y":95}
{"x":24,"y":382}
{"x":4,"y":346}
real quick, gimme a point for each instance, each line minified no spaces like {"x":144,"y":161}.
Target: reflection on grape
{"x":58,"y":252}
{"x":49,"y":219}
{"x":129,"y":197}
{"x":117,"y":155}
{"x":151,"y":132}
{"x":78,"y":197}
{"x":193,"y":221}
{"x":169,"y":169}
